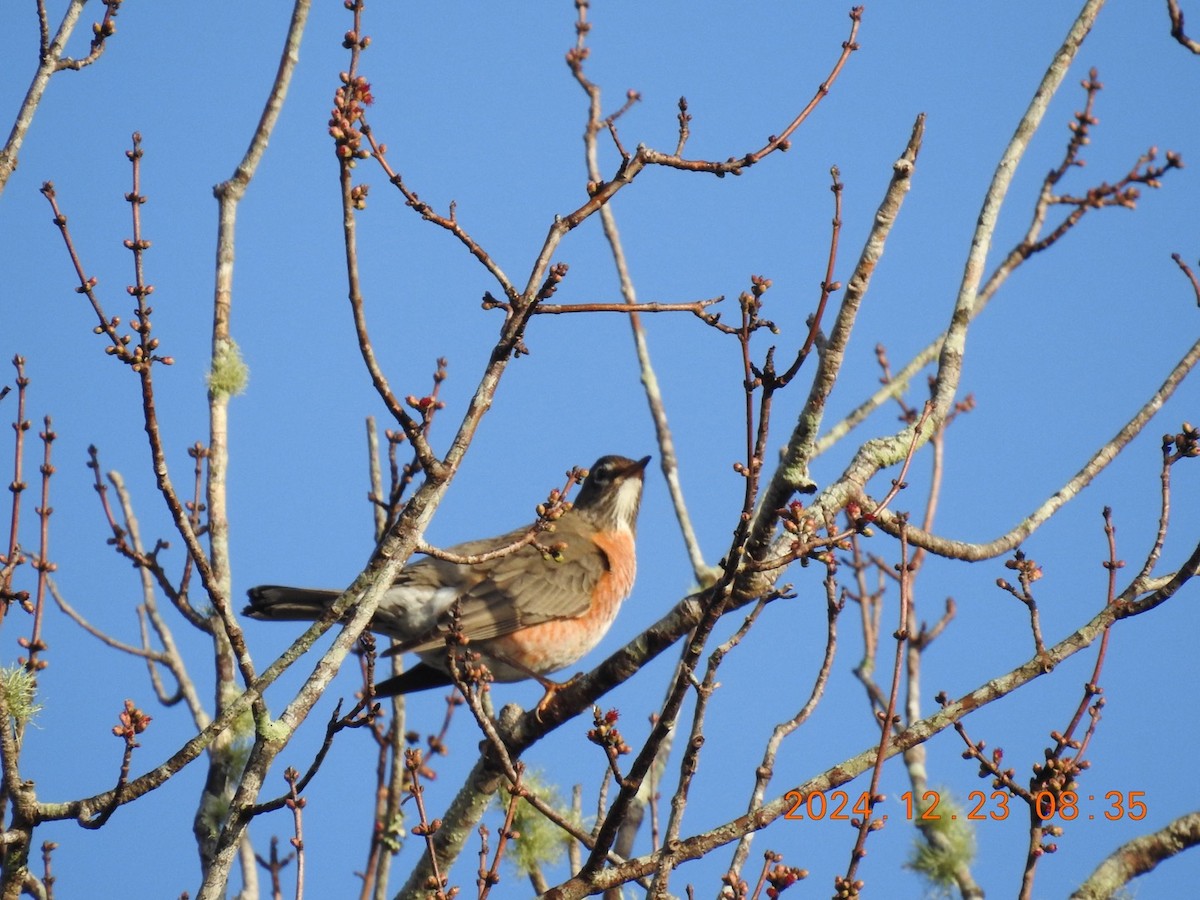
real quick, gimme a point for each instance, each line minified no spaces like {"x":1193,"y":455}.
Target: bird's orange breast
{"x":550,"y":646}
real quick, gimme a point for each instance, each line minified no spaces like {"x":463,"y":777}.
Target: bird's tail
{"x":420,"y":677}
{"x":272,"y":602}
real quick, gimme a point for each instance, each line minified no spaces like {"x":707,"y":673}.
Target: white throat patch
{"x":628,"y":495}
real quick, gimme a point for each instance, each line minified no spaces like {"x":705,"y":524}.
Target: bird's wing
{"x":525,"y":588}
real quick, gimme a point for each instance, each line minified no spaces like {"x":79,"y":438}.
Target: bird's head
{"x":612,"y":492}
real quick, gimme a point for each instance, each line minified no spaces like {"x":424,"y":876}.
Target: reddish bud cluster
{"x":1186,"y":443}
{"x":795,"y":521}
{"x":990,"y":769}
{"x":759,"y":285}
{"x":106,"y":28}
{"x":351,"y":40}
{"x":605,"y":734}
{"x":1057,"y":774}
{"x":576,"y":57}
{"x":845,"y":889}
{"x":133,"y":722}
{"x":1027,"y":569}
{"x":349,"y":107}
{"x":424,"y":405}
{"x":558,"y":272}
{"x":30,"y":663}
{"x":782,"y":877}
{"x":476,"y":672}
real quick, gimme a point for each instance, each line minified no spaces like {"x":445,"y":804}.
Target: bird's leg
{"x":552,"y":688}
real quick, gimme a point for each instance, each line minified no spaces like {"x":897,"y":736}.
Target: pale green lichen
{"x":19,"y":688}
{"x":273,"y":730}
{"x":541,"y":842}
{"x":230,"y":374}
{"x":242,"y":730}
{"x":948,"y":848}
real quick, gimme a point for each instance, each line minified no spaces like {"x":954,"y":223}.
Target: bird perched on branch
{"x":527,"y":613}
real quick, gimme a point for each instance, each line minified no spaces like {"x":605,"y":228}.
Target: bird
{"x":527,"y":613}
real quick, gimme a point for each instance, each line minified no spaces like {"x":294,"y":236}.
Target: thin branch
{"x":697,"y":307}
{"x":887,"y":718}
{"x":1177,"y":32}
{"x":792,"y":476}
{"x":108,"y":640}
{"x":548,"y":512}
{"x":828,"y":285}
{"x":766,"y":769}
{"x":223,"y":383}
{"x":101,"y":32}
{"x":1032,"y":242}
{"x":689,"y":762}
{"x":411,"y":427}
{"x":450,"y":223}
{"x":41,"y":563}
{"x":491,"y":876}
{"x":1191,"y":276}
{"x":780,"y":142}
{"x":604,"y":191}
{"x":135,"y":552}
{"x":950,"y":358}
{"x":296,"y":804}
{"x":668,"y":460}
{"x":51,"y":56}
{"x":375,"y":476}
{"x":14,"y":557}
{"x":1100,"y":460}
{"x":1139,"y":856}
{"x":174,"y":658}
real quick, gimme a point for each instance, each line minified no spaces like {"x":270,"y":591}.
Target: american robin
{"x":527,"y":613}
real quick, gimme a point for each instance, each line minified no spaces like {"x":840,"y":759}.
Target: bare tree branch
{"x":1139,"y":856}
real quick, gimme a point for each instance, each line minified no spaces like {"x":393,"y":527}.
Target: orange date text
{"x":1068,"y":806}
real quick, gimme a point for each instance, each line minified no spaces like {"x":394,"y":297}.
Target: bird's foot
{"x":552,"y":689}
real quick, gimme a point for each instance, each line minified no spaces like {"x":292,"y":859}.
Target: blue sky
{"x":477,"y":106}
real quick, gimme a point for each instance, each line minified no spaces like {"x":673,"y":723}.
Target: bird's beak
{"x":636,"y":468}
